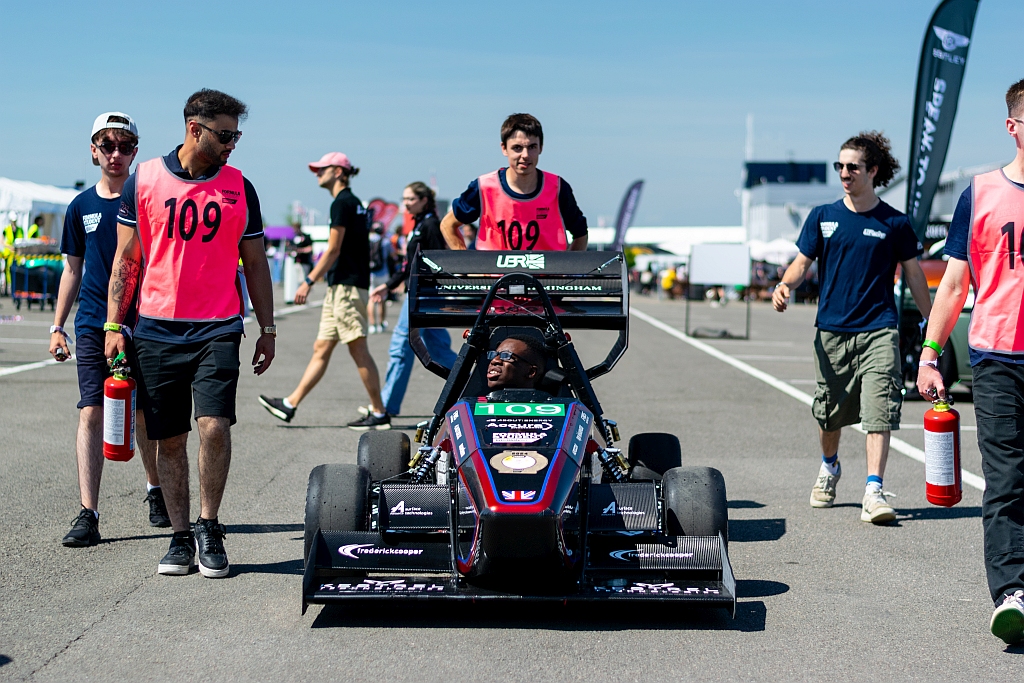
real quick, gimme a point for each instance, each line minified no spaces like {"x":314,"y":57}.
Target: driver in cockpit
{"x":518,"y":363}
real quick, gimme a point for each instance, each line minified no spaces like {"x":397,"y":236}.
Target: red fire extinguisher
{"x":119,"y":413}
{"x":942,"y":455}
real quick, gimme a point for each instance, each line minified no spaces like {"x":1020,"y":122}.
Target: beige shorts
{"x":859,"y":380}
{"x":344,"y":314}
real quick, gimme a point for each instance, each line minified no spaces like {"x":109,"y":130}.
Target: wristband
{"x":112,"y":327}
{"x":308,"y":281}
{"x":933,"y":364}
{"x":934,"y":346}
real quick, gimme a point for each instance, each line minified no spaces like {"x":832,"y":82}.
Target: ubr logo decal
{"x":528,"y":261}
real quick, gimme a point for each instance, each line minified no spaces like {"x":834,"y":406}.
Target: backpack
{"x":376,"y":253}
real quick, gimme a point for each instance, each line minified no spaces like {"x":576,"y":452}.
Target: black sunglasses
{"x":852,"y":168}
{"x":223,"y":136}
{"x":506,"y":357}
{"x":108,"y":147}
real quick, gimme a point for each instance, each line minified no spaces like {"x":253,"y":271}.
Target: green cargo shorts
{"x":859,"y":380}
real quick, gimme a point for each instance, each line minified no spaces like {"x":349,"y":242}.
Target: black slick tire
{"x":695,"y":502}
{"x":383,"y":454}
{"x":336,"y":499}
{"x":655,"y":451}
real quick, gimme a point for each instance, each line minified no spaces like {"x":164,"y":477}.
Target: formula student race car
{"x":518,"y":493}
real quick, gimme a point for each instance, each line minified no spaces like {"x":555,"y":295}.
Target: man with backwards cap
{"x":188,"y":217}
{"x":89,"y":242}
{"x":346,"y":267}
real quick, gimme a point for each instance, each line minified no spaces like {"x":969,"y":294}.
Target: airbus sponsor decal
{"x":371,"y":586}
{"x":528,"y":261}
{"x":519,"y":462}
{"x":516,"y":437}
{"x":355,"y":550}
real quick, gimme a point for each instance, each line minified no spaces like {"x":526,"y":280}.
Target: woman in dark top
{"x":426,"y":234}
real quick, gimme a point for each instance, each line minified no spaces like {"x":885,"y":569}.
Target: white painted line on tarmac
{"x":23,"y":340}
{"x":30,"y":366}
{"x":895,"y":444}
{"x":287,"y":310}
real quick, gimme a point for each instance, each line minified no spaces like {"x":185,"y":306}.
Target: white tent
{"x":28,"y":200}
{"x":779,"y":251}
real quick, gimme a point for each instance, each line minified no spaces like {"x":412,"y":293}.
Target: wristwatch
{"x":308,"y":281}
{"x":269,"y":329}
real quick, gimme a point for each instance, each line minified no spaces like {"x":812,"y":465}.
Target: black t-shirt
{"x":353,"y":265}
{"x":425,"y":235}
{"x":302,"y":244}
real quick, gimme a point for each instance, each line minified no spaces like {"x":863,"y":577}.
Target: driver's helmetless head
{"x":517,"y":363}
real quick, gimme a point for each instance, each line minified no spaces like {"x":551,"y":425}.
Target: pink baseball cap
{"x":331,"y":159}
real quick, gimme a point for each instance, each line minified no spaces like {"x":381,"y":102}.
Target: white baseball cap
{"x":114,"y":119}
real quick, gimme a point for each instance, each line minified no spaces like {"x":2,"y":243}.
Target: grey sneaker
{"x":1008,"y":619}
{"x":876,"y":509}
{"x":823,"y":495}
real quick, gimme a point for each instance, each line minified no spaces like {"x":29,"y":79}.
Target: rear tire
{"x":655,"y":451}
{"x":384,"y":454}
{"x":335,"y":501}
{"x":695,"y":502}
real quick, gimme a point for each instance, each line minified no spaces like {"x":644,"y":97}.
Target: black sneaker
{"x":180,"y":558}
{"x":277,"y":408}
{"x":157,"y":509}
{"x":370,"y":421}
{"x":213,"y":559}
{"x":85,"y":531}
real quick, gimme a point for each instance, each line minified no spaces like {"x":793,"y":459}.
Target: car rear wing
{"x":588,"y":289}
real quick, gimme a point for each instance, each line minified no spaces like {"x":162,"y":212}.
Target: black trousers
{"x":999,"y":407}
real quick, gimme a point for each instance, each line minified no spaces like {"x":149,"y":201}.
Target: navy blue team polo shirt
{"x":857,"y":255}
{"x":90,"y":232}
{"x":466,"y":207}
{"x":958,"y":248}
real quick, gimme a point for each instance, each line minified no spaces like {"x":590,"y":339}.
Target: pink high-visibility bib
{"x":997,"y":272}
{"x":190,"y":231}
{"x":520,"y":224}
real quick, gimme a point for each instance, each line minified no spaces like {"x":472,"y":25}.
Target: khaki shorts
{"x":859,"y":380}
{"x":344,"y":314}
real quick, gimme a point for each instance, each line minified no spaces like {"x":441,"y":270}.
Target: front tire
{"x":655,"y":451}
{"x":384,"y":454}
{"x":335,"y":501}
{"x":695,"y":502}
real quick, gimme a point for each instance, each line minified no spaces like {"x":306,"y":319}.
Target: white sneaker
{"x":876,"y":509}
{"x":823,"y":495}
{"x":1008,"y":620}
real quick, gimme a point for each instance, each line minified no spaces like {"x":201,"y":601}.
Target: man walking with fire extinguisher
{"x":89,"y":241}
{"x":983,"y":245}
{"x":188,"y":217}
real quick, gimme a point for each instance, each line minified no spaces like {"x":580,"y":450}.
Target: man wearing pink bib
{"x":187,"y":218}
{"x":984,"y":249}
{"x":520,"y":208}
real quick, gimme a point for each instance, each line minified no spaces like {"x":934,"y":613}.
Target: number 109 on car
{"x":519,"y":409}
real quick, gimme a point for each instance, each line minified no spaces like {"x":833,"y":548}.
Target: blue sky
{"x":653,"y":90}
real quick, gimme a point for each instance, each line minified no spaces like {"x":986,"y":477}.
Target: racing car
{"x":518,"y":493}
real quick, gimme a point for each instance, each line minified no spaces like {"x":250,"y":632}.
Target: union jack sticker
{"x":519,"y":496}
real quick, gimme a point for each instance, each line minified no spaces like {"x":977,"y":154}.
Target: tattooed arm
{"x":124,"y":280}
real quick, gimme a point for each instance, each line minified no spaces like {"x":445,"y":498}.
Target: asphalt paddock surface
{"x":822,"y":595}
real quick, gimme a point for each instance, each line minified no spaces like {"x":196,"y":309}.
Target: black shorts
{"x":93,"y":369}
{"x":172,"y":376}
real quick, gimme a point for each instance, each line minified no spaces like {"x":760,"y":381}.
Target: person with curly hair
{"x":857,"y":241}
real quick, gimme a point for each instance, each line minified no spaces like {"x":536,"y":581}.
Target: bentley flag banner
{"x":939,"y":75}
{"x":626,"y":211}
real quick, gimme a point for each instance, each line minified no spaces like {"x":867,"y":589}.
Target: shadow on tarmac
{"x":596,"y":616}
{"x":293,"y":567}
{"x":263,"y":528}
{"x":4,"y":659}
{"x":915,"y":514}
{"x":744,"y":504}
{"x":752,"y":530}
